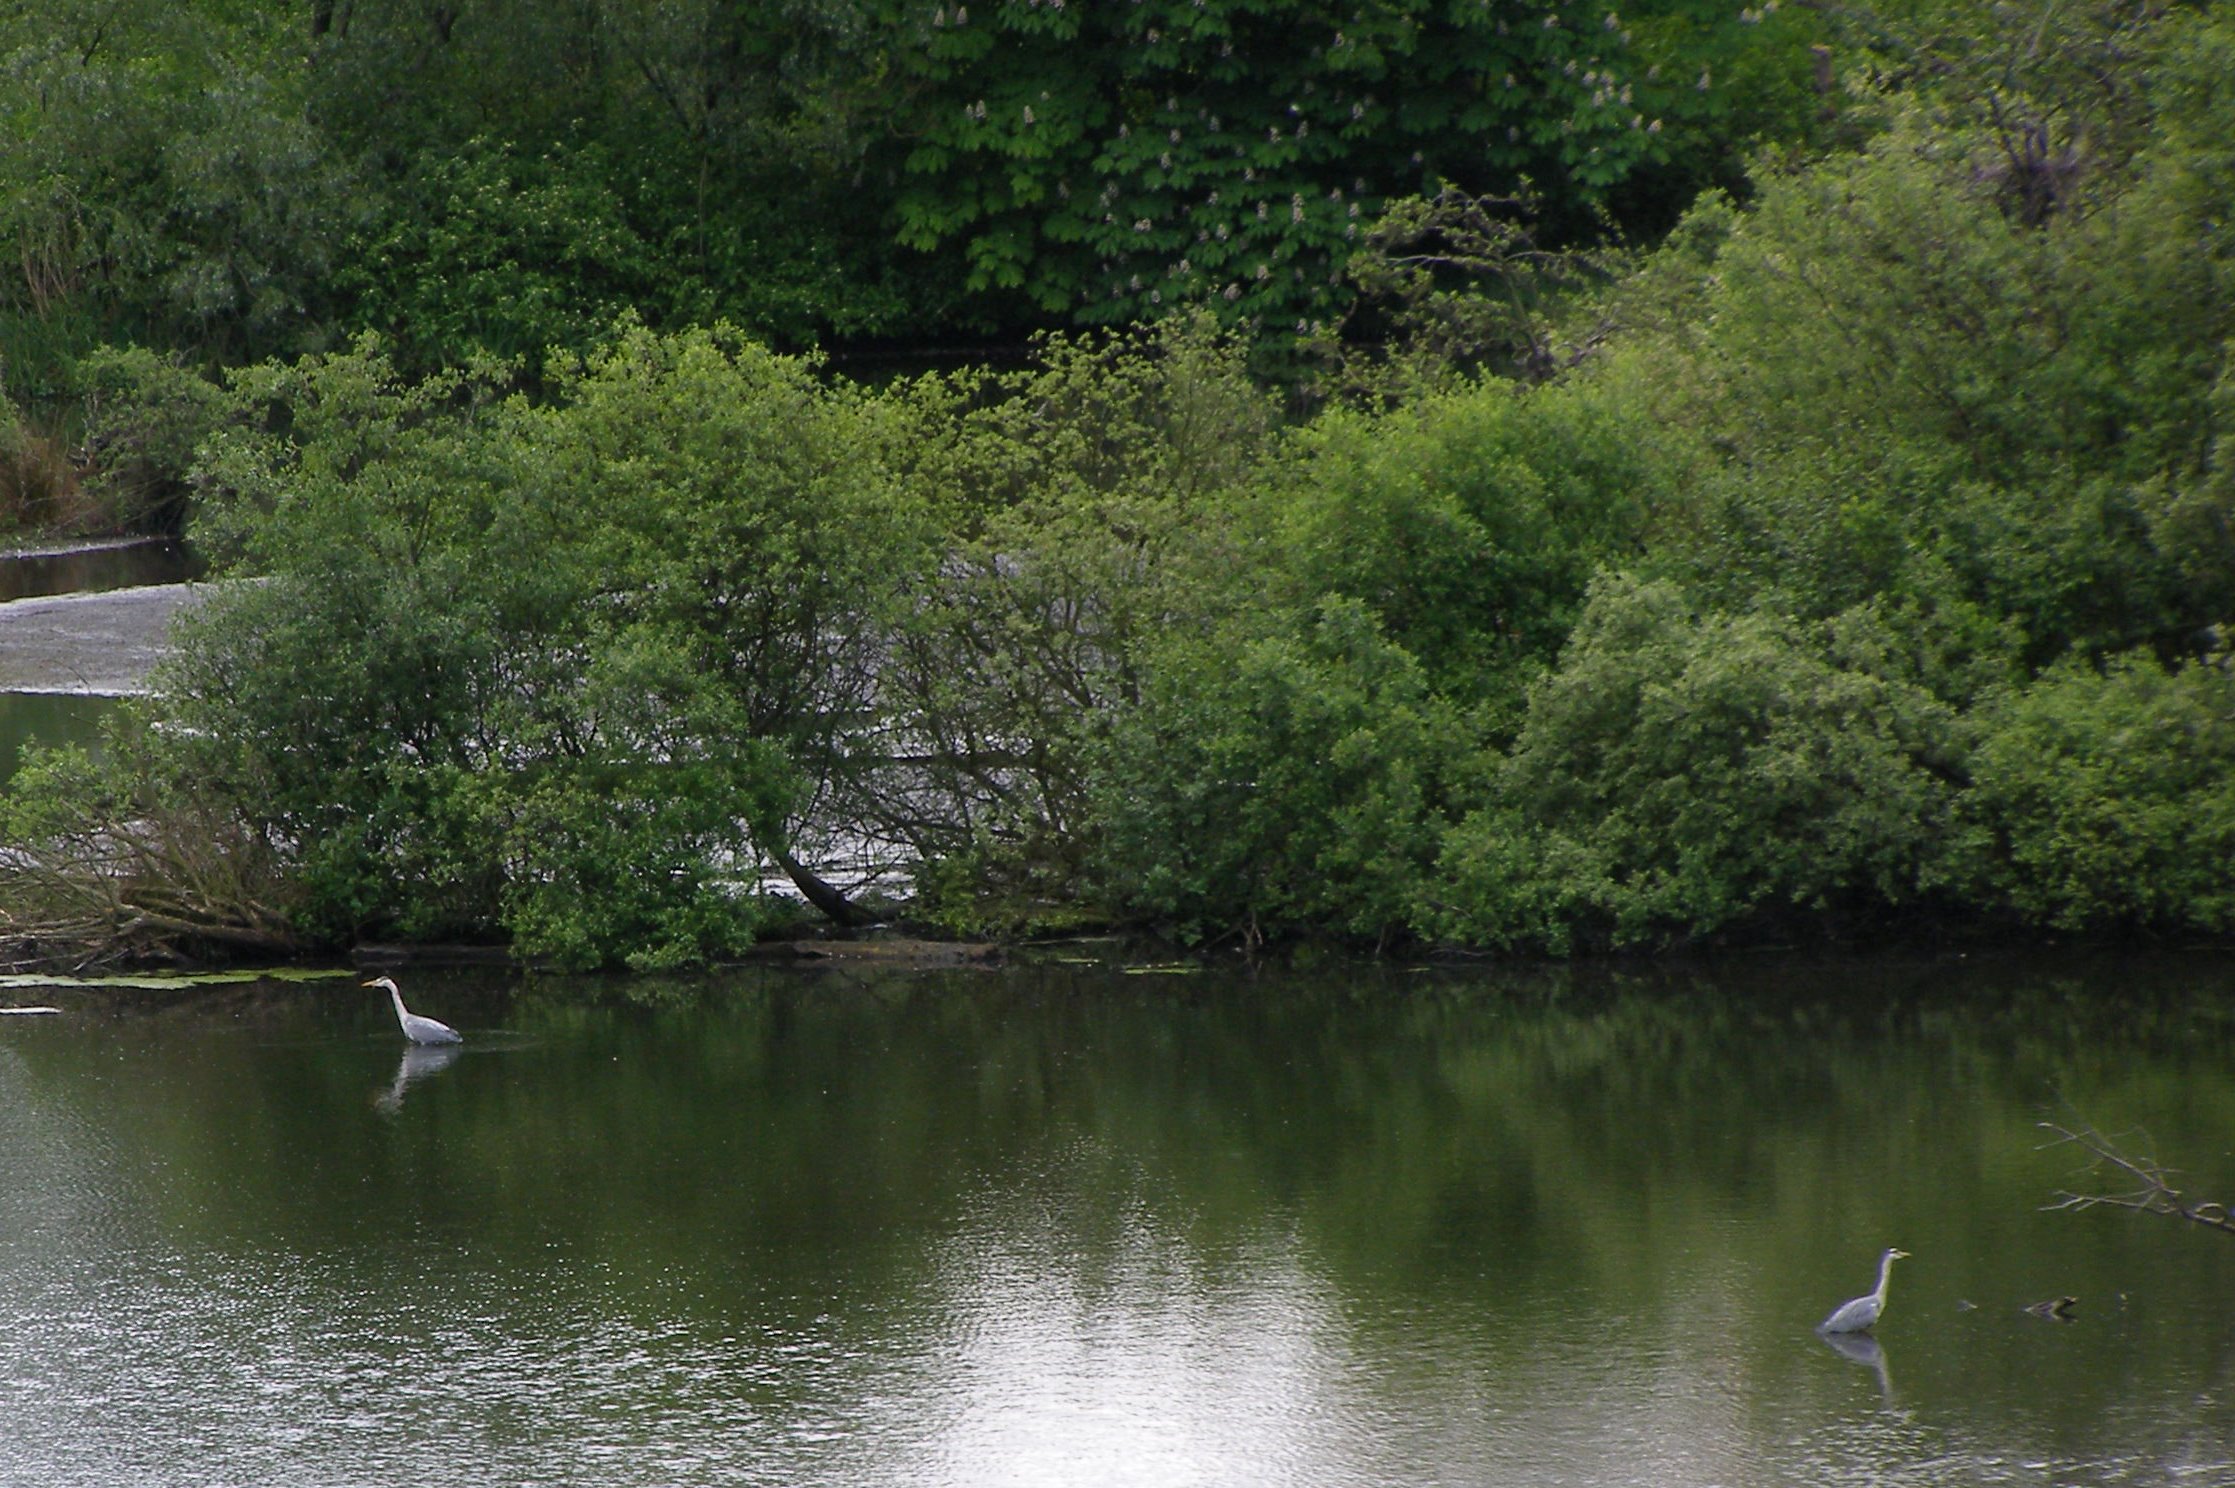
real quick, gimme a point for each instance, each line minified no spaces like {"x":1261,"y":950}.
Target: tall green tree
{"x":160,"y":179}
{"x":1106,"y":162}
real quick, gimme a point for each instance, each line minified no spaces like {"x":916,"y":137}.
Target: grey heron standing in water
{"x":1859,"y":1315}
{"x":419,"y":1030}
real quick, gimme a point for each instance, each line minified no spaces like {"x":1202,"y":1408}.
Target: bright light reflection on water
{"x":971,"y":1232}
{"x":1146,"y":1371}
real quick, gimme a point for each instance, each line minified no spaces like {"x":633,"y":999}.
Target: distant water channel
{"x":93,"y":568}
{"x":1063,"y":1225}
{"x":66,"y":652}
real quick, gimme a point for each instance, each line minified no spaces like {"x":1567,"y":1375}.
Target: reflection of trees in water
{"x":86,"y":568}
{"x":1556,"y":1166}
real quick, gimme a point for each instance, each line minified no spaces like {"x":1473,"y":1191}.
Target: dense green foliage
{"x":1683,"y":771}
{"x":1109,"y":160}
{"x":565,"y":669}
{"x":1863,"y":558}
{"x":2107,"y":796}
{"x":1089,"y":514}
{"x":242,"y":178}
{"x":1268,"y":781}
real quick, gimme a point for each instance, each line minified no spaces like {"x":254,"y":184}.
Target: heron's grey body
{"x":419,"y":1030}
{"x":1860,"y":1315}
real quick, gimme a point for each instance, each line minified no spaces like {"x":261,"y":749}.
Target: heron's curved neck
{"x":398,"y":999}
{"x":1885,"y":1274}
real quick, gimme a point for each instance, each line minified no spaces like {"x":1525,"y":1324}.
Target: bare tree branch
{"x":2153,"y":1191}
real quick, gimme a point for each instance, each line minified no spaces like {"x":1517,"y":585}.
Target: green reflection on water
{"x":49,"y":719}
{"x":95,"y":568}
{"x":1061,"y":1225}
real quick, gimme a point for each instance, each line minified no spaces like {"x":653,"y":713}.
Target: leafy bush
{"x":2104,"y":800}
{"x":596,"y":751}
{"x":489,"y":252}
{"x":1683,"y":774}
{"x":334,"y":706}
{"x":146,"y":416}
{"x":1903,"y":390}
{"x":163,"y":183}
{"x":1273,"y":783}
{"x":1469,"y":524}
{"x":1089,"y":509}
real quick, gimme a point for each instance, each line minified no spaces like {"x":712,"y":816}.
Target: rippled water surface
{"x":1060,"y":1225}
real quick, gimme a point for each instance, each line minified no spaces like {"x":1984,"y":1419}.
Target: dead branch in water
{"x":2153,"y":1191}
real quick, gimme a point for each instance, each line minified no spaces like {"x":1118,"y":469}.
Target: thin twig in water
{"x":2153,"y":1192}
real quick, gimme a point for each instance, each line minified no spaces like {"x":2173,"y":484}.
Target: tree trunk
{"x":824,"y":896}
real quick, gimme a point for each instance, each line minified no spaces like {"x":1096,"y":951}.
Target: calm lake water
{"x":51,"y":720}
{"x":1060,"y":1225}
{"x":87,"y":568}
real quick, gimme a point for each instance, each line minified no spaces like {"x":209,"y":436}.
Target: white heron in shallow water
{"x":1859,"y":1315}
{"x":419,"y":1030}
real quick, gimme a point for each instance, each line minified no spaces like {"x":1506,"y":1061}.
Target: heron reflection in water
{"x":419,"y":1061}
{"x":1861,"y":1348}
